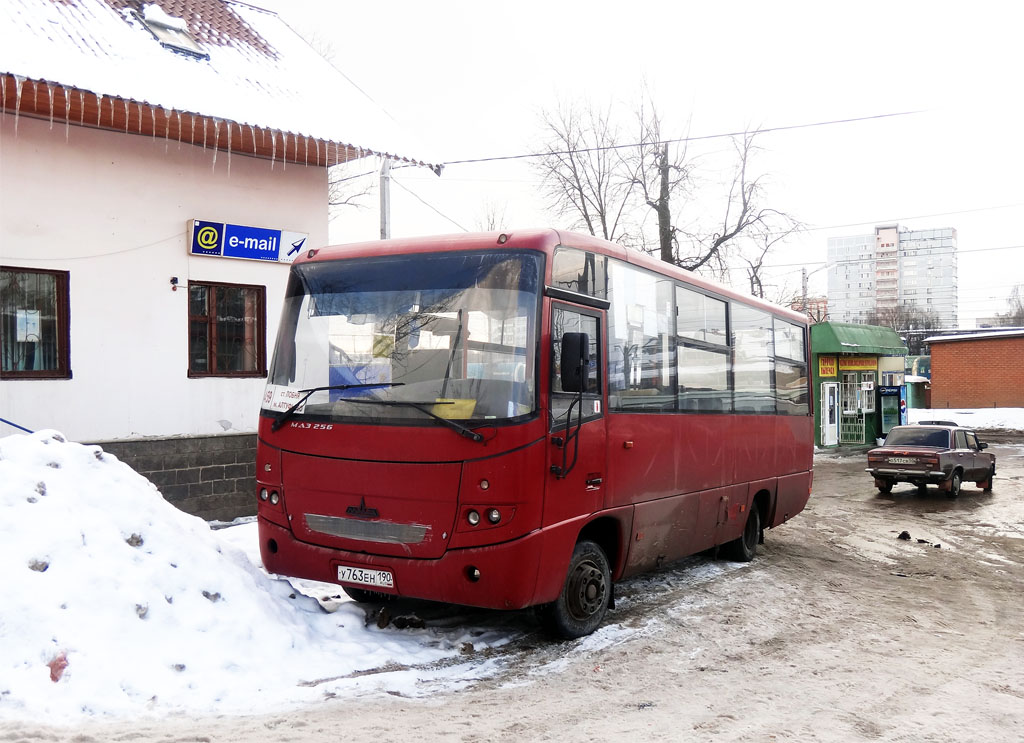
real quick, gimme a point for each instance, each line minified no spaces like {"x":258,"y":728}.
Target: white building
{"x":156,"y":176}
{"x":893,"y":269}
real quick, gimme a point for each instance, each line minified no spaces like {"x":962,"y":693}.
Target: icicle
{"x":178,"y":116}
{"x":17,"y":101}
{"x":216,"y":142}
{"x":3,"y":94}
{"x":273,"y":149}
{"x":35,"y":96}
{"x":67,"y":115}
{"x":140,"y":117}
{"x":81,"y":107}
{"x":99,"y":109}
{"x":152,"y":121}
{"x":126,"y":119}
{"x":306,"y":143}
{"x":229,"y":148}
{"x":317,"y":143}
{"x":205,"y":122}
{"x":167,"y":128}
{"x":284,"y":151}
{"x":252,"y":133}
{"x":192,"y":138}
{"x":49,"y":89}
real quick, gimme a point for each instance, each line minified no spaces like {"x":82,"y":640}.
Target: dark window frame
{"x":600,"y":363}
{"x":63,"y":323}
{"x":210,"y":318}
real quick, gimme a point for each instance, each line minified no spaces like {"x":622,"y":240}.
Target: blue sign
{"x":251,"y":242}
{"x":240,"y":241}
{"x":207,"y":238}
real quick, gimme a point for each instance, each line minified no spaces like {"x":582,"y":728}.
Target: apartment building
{"x":892,"y":270}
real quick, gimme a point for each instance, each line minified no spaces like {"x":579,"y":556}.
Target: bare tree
{"x":663,"y":175}
{"x":349,"y":184}
{"x":603,"y":182}
{"x":1016,"y":301}
{"x":905,"y":318}
{"x":492,"y":218}
{"x":583,"y":171}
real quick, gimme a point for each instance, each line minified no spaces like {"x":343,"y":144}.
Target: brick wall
{"x":982,"y":373}
{"x":213,"y":477}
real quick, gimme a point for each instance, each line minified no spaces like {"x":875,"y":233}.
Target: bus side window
{"x":567,"y":321}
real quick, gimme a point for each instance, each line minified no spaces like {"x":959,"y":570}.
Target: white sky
{"x":156,"y":614}
{"x":469,"y":79}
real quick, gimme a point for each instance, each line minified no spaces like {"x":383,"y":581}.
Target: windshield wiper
{"x":306,"y":393}
{"x":422,"y":407}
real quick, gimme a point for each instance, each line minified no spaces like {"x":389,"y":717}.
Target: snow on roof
{"x":259,"y":73}
{"x":1017,"y":332}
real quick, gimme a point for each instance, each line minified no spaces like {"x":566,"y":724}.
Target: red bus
{"x":521,"y":419}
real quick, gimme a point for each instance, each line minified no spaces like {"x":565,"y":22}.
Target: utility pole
{"x":803,"y":292}
{"x":385,"y":199}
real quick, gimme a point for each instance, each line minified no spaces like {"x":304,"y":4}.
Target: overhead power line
{"x":702,"y":137}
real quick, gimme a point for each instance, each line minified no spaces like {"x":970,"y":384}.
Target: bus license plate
{"x":902,"y":460}
{"x":364,"y":577}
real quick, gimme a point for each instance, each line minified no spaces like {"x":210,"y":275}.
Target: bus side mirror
{"x":575,"y":367}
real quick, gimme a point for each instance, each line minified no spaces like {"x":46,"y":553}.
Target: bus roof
{"x":540,"y":239}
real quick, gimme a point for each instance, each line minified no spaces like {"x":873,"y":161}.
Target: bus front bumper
{"x":500,"y":576}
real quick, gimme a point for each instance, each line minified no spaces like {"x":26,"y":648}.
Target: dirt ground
{"x":838,"y":631}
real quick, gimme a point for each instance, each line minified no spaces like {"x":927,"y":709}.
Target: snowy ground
{"x":119,"y":606}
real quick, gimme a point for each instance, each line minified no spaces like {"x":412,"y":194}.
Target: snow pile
{"x":117,"y":603}
{"x":980,"y":418}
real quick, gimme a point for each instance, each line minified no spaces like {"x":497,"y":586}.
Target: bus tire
{"x":365,"y":596}
{"x":744,"y":548}
{"x":580,"y":608}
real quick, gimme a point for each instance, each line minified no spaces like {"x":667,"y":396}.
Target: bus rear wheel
{"x":744,"y":548}
{"x":581,"y":607}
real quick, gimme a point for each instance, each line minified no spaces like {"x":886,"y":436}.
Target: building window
{"x":226,"y":330}
{"x":170,"y":31}
{"x":35,"y":336}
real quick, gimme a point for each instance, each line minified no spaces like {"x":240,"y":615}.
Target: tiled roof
{"x":263,"y":90}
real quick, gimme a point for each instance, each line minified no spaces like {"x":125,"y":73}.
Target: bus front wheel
{"x":581,"y":607}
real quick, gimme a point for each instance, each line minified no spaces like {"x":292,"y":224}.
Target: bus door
{"x":576,"y":440}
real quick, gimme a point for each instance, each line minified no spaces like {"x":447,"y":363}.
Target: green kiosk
{"x":857,"y":378}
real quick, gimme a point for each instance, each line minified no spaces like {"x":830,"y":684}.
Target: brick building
{"x":983,"y":370}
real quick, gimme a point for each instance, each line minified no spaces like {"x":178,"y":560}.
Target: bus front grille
{"x":367,"y":531}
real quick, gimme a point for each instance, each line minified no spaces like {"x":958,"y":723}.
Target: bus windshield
{"x":454,"y":334}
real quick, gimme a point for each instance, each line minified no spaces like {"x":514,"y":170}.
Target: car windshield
{"x":454,"y":333}
{"x":934,"y":437}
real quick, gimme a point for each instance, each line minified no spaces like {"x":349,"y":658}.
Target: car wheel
{"x":986,"y":486}
{"x":364,"y":596}
{"x":954,"y":485}
{"x":885,"y":487}
{"x":744,"y":548}
{"x":581,"y":607}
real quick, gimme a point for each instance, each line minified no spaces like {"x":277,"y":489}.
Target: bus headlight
{"x":274,"y":498}
{"x":264,"y":494}
{"x":494,"y":515}
{"x":473,"y":517}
